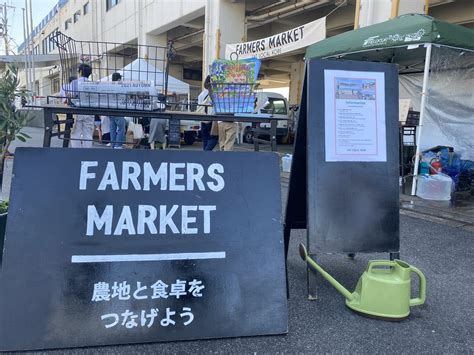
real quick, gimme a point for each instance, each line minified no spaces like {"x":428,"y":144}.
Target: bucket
{"x":286,"y":163}
{"x":434,"y":187}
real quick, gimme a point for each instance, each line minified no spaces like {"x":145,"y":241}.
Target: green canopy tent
{"x":409,"y":41}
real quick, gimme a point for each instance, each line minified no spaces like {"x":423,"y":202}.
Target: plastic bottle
{"x":286,"y":162}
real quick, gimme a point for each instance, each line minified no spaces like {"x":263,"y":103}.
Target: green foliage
{"x":12,"y":121}
{"x":3,"y":207}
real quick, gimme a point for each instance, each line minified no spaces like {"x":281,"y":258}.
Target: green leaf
{"x":11,"y":121}
{"x":25,"y":135}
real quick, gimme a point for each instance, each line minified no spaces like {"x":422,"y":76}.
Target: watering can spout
{"x":304,"y":255}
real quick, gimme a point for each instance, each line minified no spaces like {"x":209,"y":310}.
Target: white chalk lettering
{"x":174,"y":176}
{"x":186,"y":220}
{"x":143,"y":220}
{"x":207,"y":217}
{"x":93,"y":218}
{"x":219,"y":183}
{"x":130,"y":172}
{"x":109,"y":178}
{"x":166,"y":219}
{"x":85,"y":174}
{"x":125,"y":222}
{"x":167,"y":176}
{"x":146,"y":219}
{"x":160,"y":176}
{"x":194,"y":174}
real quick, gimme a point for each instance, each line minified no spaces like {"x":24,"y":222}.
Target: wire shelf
{"x":143,"y":70}
{"x":233,"y":97}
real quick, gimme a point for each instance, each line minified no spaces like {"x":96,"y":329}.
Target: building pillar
{"x":370,"y":12}
{"x":151,"y":53}
{"x":296,"y":82}
{"x":45,"y":88}
{"x":224,"y":24}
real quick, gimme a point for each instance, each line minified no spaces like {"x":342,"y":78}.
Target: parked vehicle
{"x":269,"y":103}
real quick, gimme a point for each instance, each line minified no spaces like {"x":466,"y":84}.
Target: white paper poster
{"x":355,"y":116}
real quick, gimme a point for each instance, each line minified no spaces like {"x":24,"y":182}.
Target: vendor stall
{"x":436,"y":67}
{"x":141,"y":69}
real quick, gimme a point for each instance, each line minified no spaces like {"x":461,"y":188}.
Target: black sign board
{"x":344,"y":178}
{"x":114,"y":247}
{"x":174,"y":132}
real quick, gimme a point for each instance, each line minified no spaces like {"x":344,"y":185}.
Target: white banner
{"x":299,"y":37}
{"x":131,"y":95}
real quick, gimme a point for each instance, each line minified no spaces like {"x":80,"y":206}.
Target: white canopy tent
{"x":141,"y":70}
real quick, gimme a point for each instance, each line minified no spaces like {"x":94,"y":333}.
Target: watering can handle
{"x":373,"y":263}
{"x":422,"y":295}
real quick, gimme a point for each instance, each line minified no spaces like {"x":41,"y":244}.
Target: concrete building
{"x":200,"y":29}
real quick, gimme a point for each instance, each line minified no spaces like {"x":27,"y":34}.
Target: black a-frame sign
{"x":344,"y":178}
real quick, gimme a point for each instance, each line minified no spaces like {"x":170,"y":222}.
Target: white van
{"x":269,"y":103}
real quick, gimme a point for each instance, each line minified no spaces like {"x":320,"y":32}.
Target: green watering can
{"x":383,"y":290}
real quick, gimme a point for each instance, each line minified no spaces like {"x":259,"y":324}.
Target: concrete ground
{"x":445,"y":324}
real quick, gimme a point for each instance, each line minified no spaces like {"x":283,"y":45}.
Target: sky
{"x":15,"y":18}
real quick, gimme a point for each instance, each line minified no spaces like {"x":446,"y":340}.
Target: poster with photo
{"x":355,"y":116}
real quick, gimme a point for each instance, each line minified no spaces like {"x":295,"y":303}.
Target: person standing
{"x":66,"y":89}
{"x":64,"y":93}
{"x":105,"y":130}
{"x":227,"y":135}
{"x":157,"y":135}
{"x":83,"y":128}
{"x":117,"y":124}
{"x":209,"y":140}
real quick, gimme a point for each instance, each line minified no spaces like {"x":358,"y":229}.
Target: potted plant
{"x":12,"y":122}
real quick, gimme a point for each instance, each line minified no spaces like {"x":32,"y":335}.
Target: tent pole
{"x":424,"y":93}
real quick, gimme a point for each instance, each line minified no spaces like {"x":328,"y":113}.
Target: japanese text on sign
{"x":123,"y":291}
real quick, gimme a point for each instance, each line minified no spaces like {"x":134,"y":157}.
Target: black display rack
{"x":134,"y":62}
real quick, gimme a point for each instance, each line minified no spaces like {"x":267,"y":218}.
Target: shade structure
{"x":142,"y":70}
{"x":436,"y":64}
{"x":401,"y":31}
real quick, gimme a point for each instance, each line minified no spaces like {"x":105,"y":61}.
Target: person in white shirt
{"x":65,"y":89}
{"x":83,"y":129}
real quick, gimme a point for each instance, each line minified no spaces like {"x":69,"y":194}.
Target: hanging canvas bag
{"x":137,"y":129}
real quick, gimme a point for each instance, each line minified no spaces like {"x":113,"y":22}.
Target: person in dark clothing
{"x":63,"y":93}
{"x":209,"y":141}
